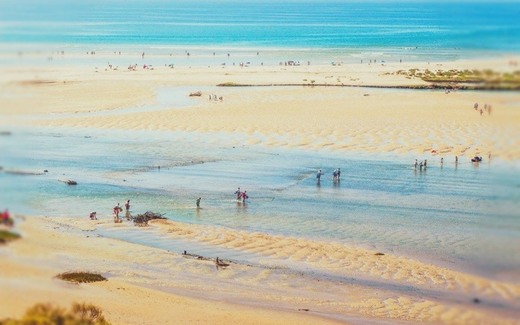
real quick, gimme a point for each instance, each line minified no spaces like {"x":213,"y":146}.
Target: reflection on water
{"x":459,"y":217}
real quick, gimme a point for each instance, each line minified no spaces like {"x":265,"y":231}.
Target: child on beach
{"x":93,"y":215}
{"x":117,"y":209}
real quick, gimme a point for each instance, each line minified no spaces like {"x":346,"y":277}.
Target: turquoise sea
{"x":349,"y":30}
{"x":473,"y":25}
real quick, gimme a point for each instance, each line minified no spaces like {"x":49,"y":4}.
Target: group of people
{"x":487,"y":108}
{"x":336,"y":175}
{"x":118,"y":209}
{"x":215,"y":98}
{"x":241,"y":196}
{"x":422,"y":164}
{"x":5,"y":219}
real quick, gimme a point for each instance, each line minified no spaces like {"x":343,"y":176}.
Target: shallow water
{"x":462,"y":217}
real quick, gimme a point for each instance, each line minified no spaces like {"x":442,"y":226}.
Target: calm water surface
{"x":463,"y":217}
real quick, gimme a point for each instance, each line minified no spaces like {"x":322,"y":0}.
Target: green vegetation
{"x":46,"y":314}
{"x":81,"y":277}
{"x":229,"y":84}
{"x":6,"y":236}
{"x":488,"y":78}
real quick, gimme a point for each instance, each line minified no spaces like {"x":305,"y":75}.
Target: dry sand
{"x":141,"y":278}
{"x":314,"y":118}
{"x":29,"y":267}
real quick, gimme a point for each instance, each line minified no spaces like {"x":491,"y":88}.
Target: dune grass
{"x":489,"y":77}
{"x":81,"y":277}
{"x":6,"y":236}
{"x":43,"y":314}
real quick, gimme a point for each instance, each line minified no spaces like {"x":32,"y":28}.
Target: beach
{"x":354,"y":119}
{"x":30,"y":267}
{"x":304,"y":162}
{"x":139,"y":134}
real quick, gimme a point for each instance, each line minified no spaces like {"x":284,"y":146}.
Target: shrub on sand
{"x":47,"y":314}
{"x":142,"y":219}
{"x":81,"y":277}
{"x":6,"y":236}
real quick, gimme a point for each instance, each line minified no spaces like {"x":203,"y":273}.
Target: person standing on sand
{"x":127,"y":209}
{"x":198,"y":203}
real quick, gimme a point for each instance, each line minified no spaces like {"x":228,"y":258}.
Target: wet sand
{"x":349,"y":119}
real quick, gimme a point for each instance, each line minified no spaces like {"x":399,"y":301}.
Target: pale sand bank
{"x":48,"y":248}
{"x":332,"y":118}
{"x":53,"y":245}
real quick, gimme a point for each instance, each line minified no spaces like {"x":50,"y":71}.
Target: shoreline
{"x":22,"y":265}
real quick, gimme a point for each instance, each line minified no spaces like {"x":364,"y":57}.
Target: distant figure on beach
{"x":456,"y":160}
{"x":117,"y":209}
{"x":142,"y":55}
{"x":421,"y":164}
{"x":198,"y":203}
{"x":442,"y":161}
{"x":475,"y":106}
{"x":339,"y":174}
{"x":425,"y":162}
{"x":127,"y":209}
{"x":93,"y":215}
{"x":319,"y":174}
{"x":238,"y":193}
{"x":416,"y":164}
